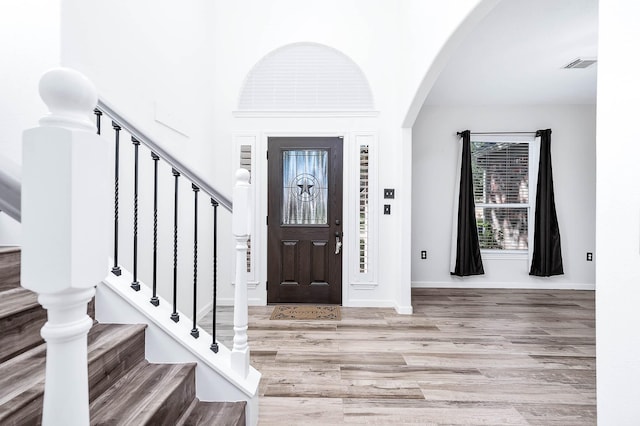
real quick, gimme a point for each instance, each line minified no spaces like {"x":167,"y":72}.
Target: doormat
{"x":306,"y":312}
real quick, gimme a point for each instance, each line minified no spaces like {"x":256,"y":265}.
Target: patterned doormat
{"x":306,"y":312}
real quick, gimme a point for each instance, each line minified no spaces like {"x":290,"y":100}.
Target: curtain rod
{"x":499,"y":133}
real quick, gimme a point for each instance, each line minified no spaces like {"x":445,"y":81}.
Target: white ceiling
{"x":517,"y":53}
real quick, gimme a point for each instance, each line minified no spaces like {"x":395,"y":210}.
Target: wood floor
{"x":494,"y":357}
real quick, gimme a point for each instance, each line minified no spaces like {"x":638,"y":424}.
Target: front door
{"x":305,"y":220}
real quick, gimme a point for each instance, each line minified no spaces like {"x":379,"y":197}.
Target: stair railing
{"x":240,"y":228}
{"x":9,"y":188}
{"x":65,"y":243}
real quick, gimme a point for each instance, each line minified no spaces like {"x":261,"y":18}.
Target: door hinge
{"x":267,"y":154}
{"x":267,"y":285}
{"x":267,"y":217}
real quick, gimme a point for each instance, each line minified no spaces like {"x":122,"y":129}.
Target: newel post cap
{"x":70,"y":97}
{"x":242,"y":176}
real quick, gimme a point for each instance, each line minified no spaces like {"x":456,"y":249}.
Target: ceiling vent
{"x":580,"y":63}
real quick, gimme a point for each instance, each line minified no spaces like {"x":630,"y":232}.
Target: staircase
{"x":124,"y":389}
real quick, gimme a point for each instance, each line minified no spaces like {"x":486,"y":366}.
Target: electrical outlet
{"x":589,"y":257}
{"x":389,"y":193}
{"x":423,"y":254}
{"x":387,"y":209}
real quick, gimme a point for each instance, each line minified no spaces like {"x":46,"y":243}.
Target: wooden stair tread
{"x":17,"y":300}
{"x":112,"y":350}
{"x":9,"y":267}
{"x":22,"y":377}
{"x":101,"y":336}
{"x":152,"y":394}
{"x":217,"y":414}
{"x":9,"y":249}
{"x":21,"y":318}
{"x":124,"y":388}
{"x":21,"y":381}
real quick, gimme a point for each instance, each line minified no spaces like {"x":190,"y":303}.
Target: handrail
{"x":166,"y":156}
{"x":10,"y":188}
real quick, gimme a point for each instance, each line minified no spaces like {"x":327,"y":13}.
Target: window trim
{"x":358,"y":279}
{"x":534,"y":153}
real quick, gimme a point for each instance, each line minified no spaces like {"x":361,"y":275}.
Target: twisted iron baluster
{"x":135,"y":284}
{"x":175,"y":316}
{"x":154,"y":298}
{"x":116,"y":268}
{"x":194,"y":331}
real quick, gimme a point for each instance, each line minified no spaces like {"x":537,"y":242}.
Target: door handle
{"x":338,"y":243}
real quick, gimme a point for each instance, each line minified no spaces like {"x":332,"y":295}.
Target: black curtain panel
{"x":547,"y":256}
{"x":468,"y":258}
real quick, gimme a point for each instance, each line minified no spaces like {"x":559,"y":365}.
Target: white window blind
{"x":501,"y":192}
{"x":245,"y":163}
{"x":364,"y":210}
{"x":306,"y":77}
{"x":245,"y":157}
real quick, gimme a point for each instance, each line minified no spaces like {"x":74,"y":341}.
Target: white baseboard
{"x":228,"y":301}
{"x":540,"y":285}
{"x":204,"y":311}
{"x":404,"y":310}
{"x":369,"y":303}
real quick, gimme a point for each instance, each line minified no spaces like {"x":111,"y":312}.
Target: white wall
{"x":150,"y":60}
{"x":618,"y":215}
{"x":435,"y":151}
{"x":392,"y":42}
{"x":193,"y":60}
{"x":30,"y":34}
{"x":364,"y":31}
{"x":426,"y":48}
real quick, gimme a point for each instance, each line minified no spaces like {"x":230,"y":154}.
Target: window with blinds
{"x":363,"y":225}
{"x":501,"y":191}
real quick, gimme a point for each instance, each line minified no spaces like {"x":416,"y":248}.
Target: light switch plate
{"x":389,"y":193}
{"x":387,"y":209}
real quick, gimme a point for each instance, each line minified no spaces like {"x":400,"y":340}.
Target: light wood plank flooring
{"x":490,"y":357}
{"x":224,"y":325}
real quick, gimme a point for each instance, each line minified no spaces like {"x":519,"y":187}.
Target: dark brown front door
{"x":305,"y":220}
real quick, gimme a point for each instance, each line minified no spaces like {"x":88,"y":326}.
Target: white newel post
{"x":241,"y":231}
{"x":64,"y":234}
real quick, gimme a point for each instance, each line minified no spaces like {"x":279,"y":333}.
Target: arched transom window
{"x":306,"y":77}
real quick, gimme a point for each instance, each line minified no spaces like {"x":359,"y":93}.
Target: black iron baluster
{"x":194,"y":331}
{"x":214,"y":203}
{"x":98,"y":114}
{"x":175,"y":316}
{"x":135,"y":284}
{"x":116,"y":268}
{"x":154,"y":299}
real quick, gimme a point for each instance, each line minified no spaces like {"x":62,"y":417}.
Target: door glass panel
{"x":304,"y":179}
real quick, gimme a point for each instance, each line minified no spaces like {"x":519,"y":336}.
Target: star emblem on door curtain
{"x":305,"y":187}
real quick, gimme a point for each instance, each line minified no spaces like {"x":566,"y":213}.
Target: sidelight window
{"x":363,"y":207}
{"x":245,"y":163}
